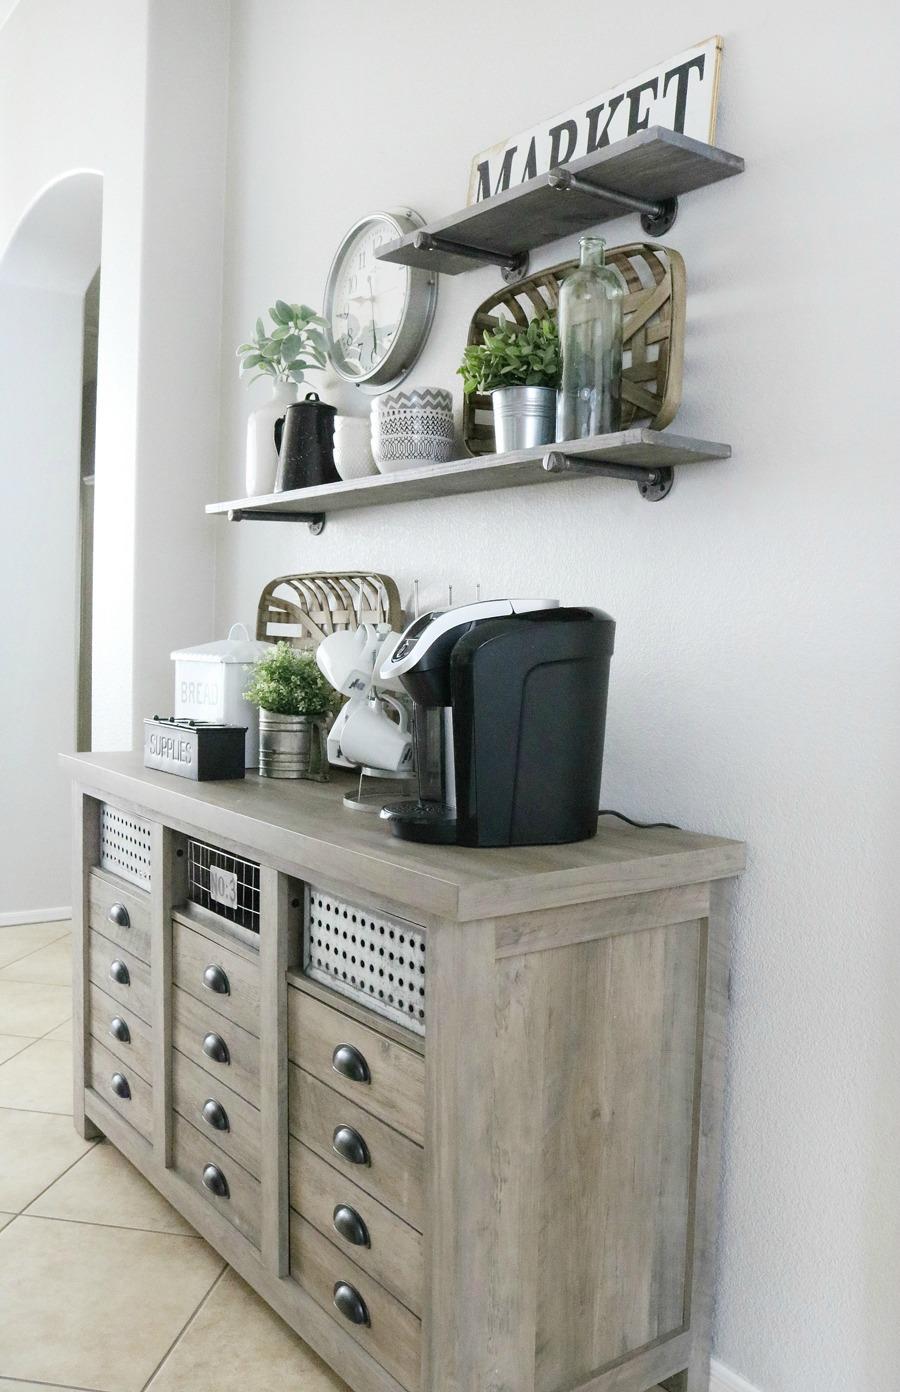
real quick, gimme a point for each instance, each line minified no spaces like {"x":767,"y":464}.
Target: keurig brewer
{"x":510,"y":714}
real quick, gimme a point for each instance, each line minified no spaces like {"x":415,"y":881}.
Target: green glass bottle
{"x":590,"y":336}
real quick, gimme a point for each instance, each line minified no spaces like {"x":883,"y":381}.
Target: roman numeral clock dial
{"x":378,"y":314}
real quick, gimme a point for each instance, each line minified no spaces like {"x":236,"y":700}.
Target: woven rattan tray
{"x":653,"y":334}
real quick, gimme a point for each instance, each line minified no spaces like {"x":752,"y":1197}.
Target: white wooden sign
{"x":680,"y":94}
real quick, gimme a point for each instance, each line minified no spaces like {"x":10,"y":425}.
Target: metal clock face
{"x":378,"y":314}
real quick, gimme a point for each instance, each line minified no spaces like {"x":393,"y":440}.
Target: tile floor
{"x":103,"y":1287}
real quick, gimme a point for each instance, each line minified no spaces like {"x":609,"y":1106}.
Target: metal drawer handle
{"x":119,"y":972}
{"x":120,"y":1086}
{"x":350,"y":1303}
{"x":349,"y":1225}
{"x":214,"y":1114}
{"x":215,"y":1181}
{"x":349,"y":1145}
{"x":119,"y":1030}
{"x":214,"y":1047}
{"x":214,"y":979}
{"x":119,"y":914}
{"x":350,"y":1063}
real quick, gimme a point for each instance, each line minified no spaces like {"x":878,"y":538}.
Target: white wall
{"x":40,"y":345}
{"x":755,"y":682}
{"x":135,"y":92}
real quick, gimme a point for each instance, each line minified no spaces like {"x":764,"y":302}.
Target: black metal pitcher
{"x":304,"y":439}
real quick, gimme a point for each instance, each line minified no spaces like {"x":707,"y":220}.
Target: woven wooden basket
{"x":304,"y":609}
{"x":653,"y":340}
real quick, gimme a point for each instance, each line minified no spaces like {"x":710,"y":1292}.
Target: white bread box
{"x":210,"y":681}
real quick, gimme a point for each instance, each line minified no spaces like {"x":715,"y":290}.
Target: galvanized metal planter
{"x":524,"y":417}
{"x":293,"y":746}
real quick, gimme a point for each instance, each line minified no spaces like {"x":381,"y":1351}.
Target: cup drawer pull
{"x":119,"y":1030}
{"x":349,"y":1226}
{"x":120,"y":1086}
{"x":119,"y":915}
{"x":214,"y":979}
{"x":215,"y":1048}
{"x":119,"y":972}
{"x":350,"y":1303}
{"x":215,"y":1115}
{"x":215,"y":1181}
{"x":350,"y":1063}
{"x":349,"y":1145}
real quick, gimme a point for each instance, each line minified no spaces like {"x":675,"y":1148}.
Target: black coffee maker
{"x":510,"y":715}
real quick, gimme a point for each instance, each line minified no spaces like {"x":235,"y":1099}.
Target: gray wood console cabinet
{"x":507,"y":1182}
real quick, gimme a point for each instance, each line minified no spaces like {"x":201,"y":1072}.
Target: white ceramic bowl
{"x":353,"y":448}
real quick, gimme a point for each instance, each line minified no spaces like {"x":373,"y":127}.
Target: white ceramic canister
{"x":352,"y":447}
{"x":210,"y":681}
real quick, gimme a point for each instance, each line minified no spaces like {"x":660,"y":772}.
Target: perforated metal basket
{"x":368,"y":956}
{"x":125,"y":845}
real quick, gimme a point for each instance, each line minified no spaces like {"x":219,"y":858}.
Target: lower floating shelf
{"x":645,"y":457}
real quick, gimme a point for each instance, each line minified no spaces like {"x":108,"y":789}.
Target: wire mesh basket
{"x":225,"y":884}
{"x":125,"y":845}
{"x":370,"y":957}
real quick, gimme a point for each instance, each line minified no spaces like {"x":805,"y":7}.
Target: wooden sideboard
{"x":506,"y":1184}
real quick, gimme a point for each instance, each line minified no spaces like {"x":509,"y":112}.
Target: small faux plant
{"x":513,"y":357}
{"x":295,"y":346}
{"x":290,"y":683}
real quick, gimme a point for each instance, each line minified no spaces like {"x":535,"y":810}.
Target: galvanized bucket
{"x":293,"y":746}
{"x":524,"y":417}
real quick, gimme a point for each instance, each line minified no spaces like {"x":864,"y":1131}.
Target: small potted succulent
{"x":296,"y":706}
{"x":520,"y":369}
{"x":285,"y":353}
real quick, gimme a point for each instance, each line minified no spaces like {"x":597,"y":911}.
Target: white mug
{"x":370,"y":737}
{"x":347,"y":658}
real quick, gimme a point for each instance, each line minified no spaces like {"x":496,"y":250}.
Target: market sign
{"x":680,"y":94}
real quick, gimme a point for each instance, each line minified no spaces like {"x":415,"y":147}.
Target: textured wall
{"x":755,"y":682}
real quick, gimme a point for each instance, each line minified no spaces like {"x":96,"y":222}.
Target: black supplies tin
{"x":195,"y":749}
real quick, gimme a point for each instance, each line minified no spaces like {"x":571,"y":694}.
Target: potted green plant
{"x":520,"y":369}
{"x":293,"y":346}
{"x":296,"y":705}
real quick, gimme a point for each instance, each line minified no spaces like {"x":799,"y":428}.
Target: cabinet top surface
{"x":303,"y":826}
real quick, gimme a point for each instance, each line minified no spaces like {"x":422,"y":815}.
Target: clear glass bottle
{"x":590,"y":336}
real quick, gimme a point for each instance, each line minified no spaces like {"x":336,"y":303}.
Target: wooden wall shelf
{"x":645,"y":457}
{"x":652,"y":167}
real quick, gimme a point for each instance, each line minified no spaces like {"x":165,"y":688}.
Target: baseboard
{"x":24,"y":916}
{"x":722,"y":1379}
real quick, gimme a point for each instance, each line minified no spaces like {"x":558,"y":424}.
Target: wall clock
{"x":378,"y":314}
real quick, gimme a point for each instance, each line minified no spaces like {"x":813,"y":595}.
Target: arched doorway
{"x":47,"y":397}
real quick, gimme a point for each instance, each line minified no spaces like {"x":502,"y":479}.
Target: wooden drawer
{"x":111,"y":1079}
{"x":232,"y":1124}
{"x":199,"y":959}
{"x":358,"y":1225}
{"x":393,"y":1336}
{"x":121,"y":915}
{"x":233,"y":1053}
{"x":193,"y":1154}
{"x":120,"y":974}
{"x":395,"y":1172}
{"x":394,"y":1088}
{"x":135,"y":1051}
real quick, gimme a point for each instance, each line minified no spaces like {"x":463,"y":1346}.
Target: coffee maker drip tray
{"x":415,"y":820}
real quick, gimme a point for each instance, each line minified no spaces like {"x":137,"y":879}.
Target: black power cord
{"x":642,"y":826}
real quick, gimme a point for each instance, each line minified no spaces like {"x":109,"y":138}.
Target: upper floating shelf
{"x":645,"y":457}
{"x":652,"y":167}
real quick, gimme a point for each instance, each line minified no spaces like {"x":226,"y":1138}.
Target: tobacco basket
{"x":304,"y":609}
{"x":653,"y":343}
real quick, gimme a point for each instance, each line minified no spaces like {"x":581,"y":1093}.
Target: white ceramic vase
{"x":262,"y":456}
